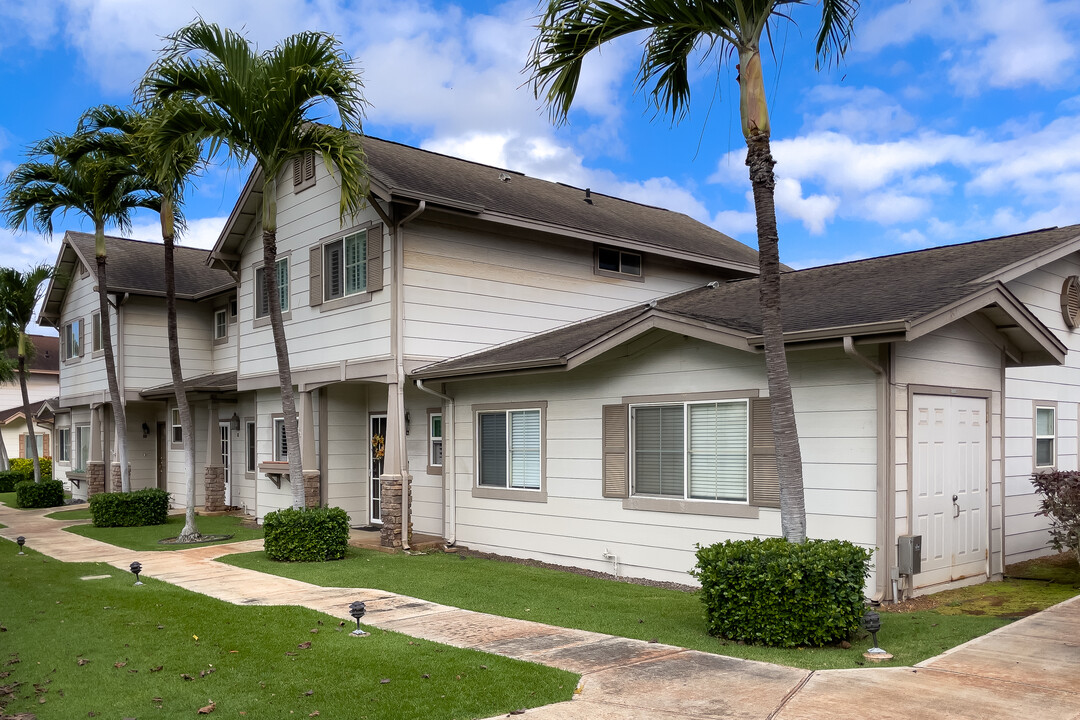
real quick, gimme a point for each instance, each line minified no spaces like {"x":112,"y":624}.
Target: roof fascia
{"x":66,"y":246}
{"x":1032,"y":262}
{"x":236,"y":215}
{"x":994,"y":294}
{"x":886,"y":327}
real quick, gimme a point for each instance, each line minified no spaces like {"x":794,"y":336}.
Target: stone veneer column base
{"x":95,"y":478}
{"x":311,"y":488}
{"x":214,"y":487}
{"x":116,"y":482}
{"x":390,"y":506}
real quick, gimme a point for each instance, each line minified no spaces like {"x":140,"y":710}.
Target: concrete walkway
{"x":1026,"y":669}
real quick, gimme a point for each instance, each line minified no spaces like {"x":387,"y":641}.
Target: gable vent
{"x":1070,"y":301}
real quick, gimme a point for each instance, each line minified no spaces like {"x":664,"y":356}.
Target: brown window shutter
{"x":374,"y":257}
{"x":45,"y":445}
{"x":297,"y":171}
{"x":615,"y":447}
{"x":765,"y":480}
{"x":82,"y":335}
{"x":309,"y":167}
{"x":315,"y":292}
{"x":22,"y":445}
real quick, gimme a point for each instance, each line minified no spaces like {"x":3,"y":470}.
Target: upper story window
{"x":221,"y":324}
{"x":694,"y":451}
{"x":303,"y":171}
{"x":71,"y":339}
{"x":96,"y":341}
{"x":262,"y":297}
{"x":345,"y":266}
{"x":618,"y":263}
{"x":1045,"y":436}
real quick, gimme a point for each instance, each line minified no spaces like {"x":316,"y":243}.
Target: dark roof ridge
{"x":176,"y":245}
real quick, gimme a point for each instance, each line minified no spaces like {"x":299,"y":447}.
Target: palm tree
{"x":8,"y":374}
{"x":124,"y":132}
{"x":19,"y":295}
{"x":61,"y":176}
{"x":257,"y":104}
{"x":677,"y":29}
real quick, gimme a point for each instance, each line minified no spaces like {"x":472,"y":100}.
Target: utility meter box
{"x":909,"y":554}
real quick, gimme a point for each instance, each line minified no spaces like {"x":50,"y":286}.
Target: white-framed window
{"x":692,"y":450}
{"x":611,"y":260}
{"x":96,"y":340}
{"x":1045,"y":436}
{"x":281,"y":448}
{"x":345,"y":266}
{"x":262,"y":297}
{"x":221,"y":324}
{"x":63,"y":445}
{"x":233,"y":307}
{"x":72,"y":339}
{"x":435,"y":440}
{"x":509,"y":449}
{"x":177,"y":435}
{"x":82,"y":448}
{"x":249,"y":446}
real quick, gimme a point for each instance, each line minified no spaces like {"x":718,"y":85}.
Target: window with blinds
{"x":697,"y":451}
{"x":345,"y":266}
{"x":262,"y":294}
{"x":509,"y":453}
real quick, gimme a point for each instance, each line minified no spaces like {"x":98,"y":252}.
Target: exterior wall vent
{"x":1070,"y":301}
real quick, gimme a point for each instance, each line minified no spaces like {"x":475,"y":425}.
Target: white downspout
{"x":885,"y":442}
{"x":449,"y":476}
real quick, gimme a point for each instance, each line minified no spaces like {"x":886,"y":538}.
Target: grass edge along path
{"x":145,"y":538}
{"x":570,"y":600}
{"x":75,"y":646}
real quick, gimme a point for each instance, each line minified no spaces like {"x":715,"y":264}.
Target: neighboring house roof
{"x":403,"y":173}
{"x":46,"y":360}
{"x":16,"y":413}
{"x":892,"y":297}
{"x":212,"y":383}
{"x":136,"y":267}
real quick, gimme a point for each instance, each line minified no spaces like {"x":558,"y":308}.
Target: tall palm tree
{"x":257,"y":104}
{"x":124,"y":132}
{"x":8,"y":374}
{"x":678,"y":29}
{"x":62,"y":176}
{"x":19,"y":295}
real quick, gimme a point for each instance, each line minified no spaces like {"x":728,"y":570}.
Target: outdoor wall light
{"x":136,"y":568}
{"x":145,"y":431}
{"x":408,"y":422}
{"x":357,"y":610}
{"x":21,"y":541}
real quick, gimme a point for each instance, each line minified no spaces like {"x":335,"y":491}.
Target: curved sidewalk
{"x":1028,"y":668}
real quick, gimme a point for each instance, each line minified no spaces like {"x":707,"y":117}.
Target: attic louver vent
{"x":1070,"y":301}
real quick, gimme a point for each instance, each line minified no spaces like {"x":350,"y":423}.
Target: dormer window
{"x":614,"y":262}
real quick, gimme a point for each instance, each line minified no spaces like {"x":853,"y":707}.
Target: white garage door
{"x":949,"y":477}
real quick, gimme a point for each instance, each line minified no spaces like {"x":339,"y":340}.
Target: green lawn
{"x":668,"y":616}
{"x":82,"y":513}
{"x":106,"y":648}
{"x":8,"y":498}
{"x":146,"y":538}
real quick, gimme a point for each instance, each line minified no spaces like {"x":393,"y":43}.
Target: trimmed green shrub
{"x":8,"y":479}
{"x":25,"y":466}
{"x":47,"y":493}
{"x":133,"y":509}
{"x":307,"y":535}
{"x":782,"y":594}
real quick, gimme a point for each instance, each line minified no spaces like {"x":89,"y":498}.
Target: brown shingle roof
{"x":138,"y":267}
{"x":214,"y":382}
{"x":893,"y":288}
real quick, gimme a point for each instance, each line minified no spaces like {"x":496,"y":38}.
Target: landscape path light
{"x":357,"y":610}
{"x":871,"y":622}
{"x":136,"y":568}
{"x":22,"y":541}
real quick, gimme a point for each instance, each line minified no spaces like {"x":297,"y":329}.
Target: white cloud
{"x":813,"y":210}
{"x":856,"y":112}
{"x":200,"y":233}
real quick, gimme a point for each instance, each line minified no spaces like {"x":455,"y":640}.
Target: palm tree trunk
{"x":190,"y":533}
{"x":788,"y":456}
{"x":281,"y":348}
{"x":3,"y":455}
{"x":31,"y":440}
{"x":117,"y":400}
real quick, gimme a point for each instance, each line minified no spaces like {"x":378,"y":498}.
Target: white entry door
{"x":224,"y":428}
{"x":378,"y":452}
{"x":949,"y":481}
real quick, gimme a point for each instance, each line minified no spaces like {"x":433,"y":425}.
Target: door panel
{"x":224,"y":428}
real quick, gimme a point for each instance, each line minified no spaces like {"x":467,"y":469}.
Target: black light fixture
{"x":21,"y":541}
{"x":235,"y":422}
{"x":136,"y":568}
{"x":408,"y":422}
{"x":145,"y":431}
{"x":357,"y":610}
{"x":871,"y":622}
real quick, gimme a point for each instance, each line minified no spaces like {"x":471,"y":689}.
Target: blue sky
{"x":948,"y":121}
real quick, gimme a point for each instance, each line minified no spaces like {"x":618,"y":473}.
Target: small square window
{"x":618,"y":262}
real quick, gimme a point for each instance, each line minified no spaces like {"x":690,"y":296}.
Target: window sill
{"x":434,"y":469}
{"x":492,"y":493}
{"x":336,"y":303}
{"x":221,"y":340}
{"x":275,"y":471}
{"x":691,"y":507}
{"x":264,"y":320}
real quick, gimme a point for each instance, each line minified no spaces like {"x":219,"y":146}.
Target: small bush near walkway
{"x":1061,"y":503}
{"x":149,"y":506}
{"x":8,"y":479}
{"x":47,"y":493}
{"x":782,"y":594}
{"x":307,"y":535}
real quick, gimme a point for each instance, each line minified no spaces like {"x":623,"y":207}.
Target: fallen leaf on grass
{"x":3,"y":628}
{"x":516,"y":712}
{"x":314,"y":631}
{"x":304,"y":645}
{"x":159,"y":668}
{"x":119,"y":664}
{"x":232,"y":652}
{"x":185,"y":676}
{"x":309,"y":692}
{"x":313,"y":714}
{"x":425,"y":676}
{"x":384,"y":681}
{"x":157,"y":700}
{"x":83,"y":661}
{"x":206,"y":709}
{"x":290,"y":654}
{"x":204,"y":673}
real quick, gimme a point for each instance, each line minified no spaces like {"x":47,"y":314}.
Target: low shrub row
{"x":307,"y":535}
{"x":783,"y":594}
{"x":47,"y":493}
{"x":133,"y":509}
{"x":23,"y":469}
